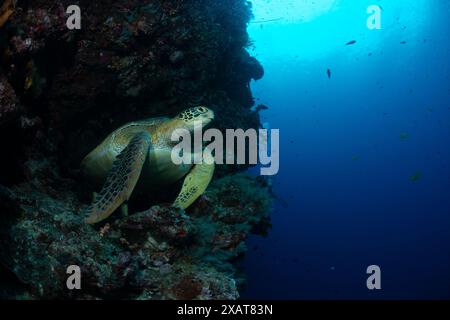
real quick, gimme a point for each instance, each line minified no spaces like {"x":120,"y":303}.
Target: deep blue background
{"x":345,"y":170}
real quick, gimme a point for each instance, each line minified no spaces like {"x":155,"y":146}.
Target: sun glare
{"x":291,"y":10}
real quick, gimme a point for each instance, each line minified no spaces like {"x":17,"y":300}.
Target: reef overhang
{"x":62,"y":91}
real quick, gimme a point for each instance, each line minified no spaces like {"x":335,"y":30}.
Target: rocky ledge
{"x":62,"y":91}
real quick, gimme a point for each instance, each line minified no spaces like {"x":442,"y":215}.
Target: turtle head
{"x":193,"y":117}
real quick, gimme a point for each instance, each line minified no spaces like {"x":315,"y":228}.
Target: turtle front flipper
{"x":196,"y":182}
{"x":121,"y":180}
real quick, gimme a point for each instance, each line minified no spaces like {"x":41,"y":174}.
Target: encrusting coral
{"x":161,"y":253}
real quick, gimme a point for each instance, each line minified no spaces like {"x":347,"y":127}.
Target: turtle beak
{"x":210,"y":115}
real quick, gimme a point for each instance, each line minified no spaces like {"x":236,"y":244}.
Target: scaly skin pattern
{"x":121,"y":180}
{"x":121,"y":157}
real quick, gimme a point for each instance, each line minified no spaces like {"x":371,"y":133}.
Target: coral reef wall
{"x":62,"y":91}
{"x":130,"y":60}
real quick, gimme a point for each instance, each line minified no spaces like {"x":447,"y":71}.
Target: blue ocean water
{"x":365,"y":154}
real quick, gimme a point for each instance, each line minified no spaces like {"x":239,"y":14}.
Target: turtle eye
{"x":202,"y":109}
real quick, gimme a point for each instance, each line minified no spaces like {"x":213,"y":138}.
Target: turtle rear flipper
{"x":121,"y":180}
{"x":196,"y":182}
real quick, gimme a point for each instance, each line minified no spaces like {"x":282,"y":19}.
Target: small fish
{"x":281,"y":201}
{"x":416,"y":176}
{"x":403,"y":136}
{"x":329,"y":73}
{"x":31,"y":71}
{"x":261,"y":107}
{"x":403,"y":42}
{"x":350,"y":42}
{"x":28,"y":82}
{"x":355,"y":158}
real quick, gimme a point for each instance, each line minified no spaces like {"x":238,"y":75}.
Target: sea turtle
{"x":138,"y":154}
